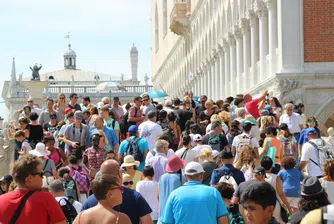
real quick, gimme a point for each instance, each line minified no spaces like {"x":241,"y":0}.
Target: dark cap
{"x":247,"y":125}
{"x":311,"y":187}
{"x":259,"y":170}
{"x":53,"y":114}
{"x":284,"y":127}
{"x":116,"y":98}
{"x":133,"y":129}
{"x":311,"y":131}
{"x":7,"y":178}
{"x":226,"y":153}
{"x":151,"y":114}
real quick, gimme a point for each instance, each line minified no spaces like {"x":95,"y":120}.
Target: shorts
{"x":293,"y":201}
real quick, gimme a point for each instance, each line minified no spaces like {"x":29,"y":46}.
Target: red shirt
{"x":41,"y":207}
{"x":251,"y":107}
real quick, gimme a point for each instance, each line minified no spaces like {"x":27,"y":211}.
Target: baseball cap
{"x":264,"y":112}
{"x":116,"y":98}
{"x":99,"y":105}
{"x":7,"y":178}
{"x":247,"y":125}
{"x":67,"y":110}
{"x":268,"y":107}
{"x":215,"y":153}
{"x":226,"y":153}
{"x":78,"y":115}
{"x":259,"y":170}
{"x":133,"y":129}
{"x":193,"y":168}
{"x":311,"y":131}
{"x":283,"y":127}
{"x":197,"y":138}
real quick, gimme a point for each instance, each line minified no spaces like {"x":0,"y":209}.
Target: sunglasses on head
{"x":41,"y":174}
{"x":128,"y":182}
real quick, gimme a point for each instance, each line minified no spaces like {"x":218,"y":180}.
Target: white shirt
{"x":187,"y":156}
{"x":224,"y":127}
{"x":293,"y":122}
{"x":198,"y":149}
{"x":310,"y":152}
{"x":149,"y":190}
{"x":150,"y":131}
{"x":26,"y":145}
{"x":150,"y":155}
{"x":254,"y":143}
{"x":76,"y":205}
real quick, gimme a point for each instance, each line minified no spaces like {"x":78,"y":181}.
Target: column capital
{"x":250,"y":14}
{"x":271,"y":4}
{"x":260,"y":8}
{"x":225,"y":44}
{"x":220,"y":47}
{"x":230,"y":39}
{"x":237,"y":32}
{"x":244,"y":25}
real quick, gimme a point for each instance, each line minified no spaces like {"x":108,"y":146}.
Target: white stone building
{"x":222,"y":48}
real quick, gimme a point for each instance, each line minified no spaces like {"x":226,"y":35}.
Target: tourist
{"x":86,"y":117}
{"x":104,"y":144}
{"x":225,"y":118}
{"x":116,"y":106}
{"x":205,"y":116}
{"x":227,"y":168}
{"x":85,"y":103}
{"x":291,"y":178}
{"x":133,"y":204}
{"x":73,"y":102}
{"x":149,"y":189}
{"x":61,"y":106}
{"x":257,"y":208}
{"x":130,"y":167}
{"x":269,"y":142}
{"x":149,"y":129}
{"x":183,"y":114}
{"x":110,"y":154}
{"x":35,"y":130}
{"x":108,"y":193}
{"x":94,"y":113}
{"x":54,"y":153}
{"x":5,"y":182}
{"x":127,"y":181}
{"x":327,"y":182}
{"x":136,"y":117}
{"x":323,"y":215}
{"x":199,"y":203}
{"x":94,"y":156}
{"x":76,"y":133}
{"x":135,"y":144}
{"x":44,"y":117}
{"x":246,"y":161}
{"x":238,"y":103}
{"x":313,"y":197}
{"x":251,"y":105}
{"x":109,"y":133}
{"x":71,"y":186}
{"x":213,"y":118}
{"x":186,"y":152}
{"x":187,"y":101}
{"x":109,"y":121}
{"x":310,"y":157}
{"x":208,"y":164}
{"x":176,"y":130}
{"x":168,"y":106}
{"x":170,"y":181}
{"x":245,"y":139}
{"x":276,"y":182}
{"x":24,"y":126}
{"x":25,"y":147}
{"x":288,"y":141}
{"x":293,"y":120}
{"x":215,"y":138}
{"x":277,"y":107}
{"x":27,"y":173}
{"x":147,"y":106}
{"x":240,"y":113}
{"x":255,"y":131}
{"x":311,"y":122}
{"x":159,"y":160}
{"x":105,"y":101}
{"x":51,"y":126}
{"x":61,"y":133}
{"x":235,"y":131}
{"x":201,"y":107}
{"x":58,"y":191}
{"x":299,"y":109}
{"x":33,"y":106}
{"x":198,"y":140}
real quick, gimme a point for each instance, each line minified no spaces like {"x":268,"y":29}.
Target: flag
{"x":67,"y":36}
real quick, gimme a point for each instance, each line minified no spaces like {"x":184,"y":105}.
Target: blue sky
{"x":102,"y":32}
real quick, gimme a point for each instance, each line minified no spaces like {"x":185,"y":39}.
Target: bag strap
{"x":184,"y":153}
{"x":20,"y":208}
{"x":269,"y":141}
{"x":315,"y":146}
{"x":46,"y":163}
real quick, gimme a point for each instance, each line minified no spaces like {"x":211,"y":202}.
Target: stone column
{"x":254,"y":28}
{"x":272,"y":14}
{"x":231,"y":42}
{"x":227,"y":67}
{"x":202,"y":82}
{"x":222,"y":74}
{"x":218,"y":75}
{"x":244,"y":26}
{"x":213,"y":77}
{"x":238,"y":36}
{"x":261,"y":11}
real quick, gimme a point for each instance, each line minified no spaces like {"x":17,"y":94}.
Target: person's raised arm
{"x":263,"y":95}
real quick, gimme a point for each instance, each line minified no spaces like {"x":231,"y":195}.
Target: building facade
{"x":222,"y":48}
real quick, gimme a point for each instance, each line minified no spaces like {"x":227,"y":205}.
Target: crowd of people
{"x":237,"y":160}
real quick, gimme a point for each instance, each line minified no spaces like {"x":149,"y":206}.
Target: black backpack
{"x":133,"y":149}
{"x":68,"y":209}
{"x":166,"y":129}
{"x":126,"y":123}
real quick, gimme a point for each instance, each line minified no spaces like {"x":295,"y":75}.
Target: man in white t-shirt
{"x":198,"y":139}
{"x":293,"y":120}
{"x":310,"y":155}
{"x":58,"y":191}
{"x":150,"y":130}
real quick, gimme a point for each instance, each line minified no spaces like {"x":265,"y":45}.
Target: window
{"x":165,"y":17}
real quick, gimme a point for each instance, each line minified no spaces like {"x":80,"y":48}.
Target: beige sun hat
{"x":130,"y":161}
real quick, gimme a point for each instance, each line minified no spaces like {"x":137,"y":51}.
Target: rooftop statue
{"x":35,"y":72}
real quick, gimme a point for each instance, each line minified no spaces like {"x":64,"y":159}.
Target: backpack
{"x":68,"y":209}
{"x":214,"y":141}
{"x":243,"y":141}
{"x":47,"y":180}
{"x":166,"y":129}
{"x":70,"y":189}
{"x":133,"y":149}
{"x":324,"y":150}
{"x":287,"y":146}
{"x":81,"y":178}
{"x":229,"y":178}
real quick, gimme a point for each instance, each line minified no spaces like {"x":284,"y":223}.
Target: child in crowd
{"x":25,"y":148}
{"x":127,"y":181}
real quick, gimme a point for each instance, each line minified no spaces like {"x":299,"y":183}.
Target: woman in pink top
{"x":56,"y":154}
{"x":271,"y":133}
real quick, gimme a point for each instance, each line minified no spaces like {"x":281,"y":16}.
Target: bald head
{"x":110,"y":167}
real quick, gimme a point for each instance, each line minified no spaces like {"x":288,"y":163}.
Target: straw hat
{"x":130,"y":161}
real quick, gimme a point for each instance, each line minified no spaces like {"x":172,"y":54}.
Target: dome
{"x":70,"y":52}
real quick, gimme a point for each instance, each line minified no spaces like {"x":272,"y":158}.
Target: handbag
{"x":284,"y":214}
{"x":271,"y":152}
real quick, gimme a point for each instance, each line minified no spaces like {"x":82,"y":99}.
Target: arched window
{"x":164,"y":16}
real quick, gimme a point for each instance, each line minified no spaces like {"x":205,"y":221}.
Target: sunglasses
{"x":145,"y":99}
{"x":118,"y":187}
{"x":63,"y":98}
{"x":312,"y":122}
{"x":140,"y":101}
{"x":41,"y":174}
{"x":30,"y":101}
{"x":128,"y":182}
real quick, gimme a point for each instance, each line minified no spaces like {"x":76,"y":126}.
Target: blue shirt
{"x":194,"y":203}
{"x":133,"y":205}
{"x":303,"y":136}
{"x":109,"y":133}
{"x":226,"y":169}
{"x":168,"y":183}
{"x":291,"y":181}
{"x":143,"y":146}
